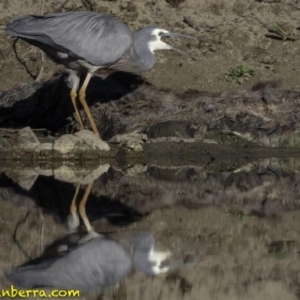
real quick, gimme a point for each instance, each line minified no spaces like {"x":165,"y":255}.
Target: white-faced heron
{"x":92,"y":260}
{"x":99,"y":262}
{"x":86,"y":41}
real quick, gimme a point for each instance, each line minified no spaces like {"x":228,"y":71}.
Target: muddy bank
{"x":264,"y":116}
{"x":265,"y":187}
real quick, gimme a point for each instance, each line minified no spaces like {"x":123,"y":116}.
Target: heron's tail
{"x":26,"y":277}
{"x":33,"y":29}
{"x":19,"y":27}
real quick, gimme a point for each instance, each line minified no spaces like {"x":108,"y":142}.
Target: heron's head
{"x":151,"y":261}
{"x":153,"y":37}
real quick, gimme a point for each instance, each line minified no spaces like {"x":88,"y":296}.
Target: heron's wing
{"x":96,"y":38}
{"x":98,"y":263}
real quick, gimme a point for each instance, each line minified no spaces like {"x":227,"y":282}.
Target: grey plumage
{"x":96,"y":38}
{"x":86,"y":41}
{"x":100,"y":262}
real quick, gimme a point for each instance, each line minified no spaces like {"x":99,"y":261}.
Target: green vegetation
{"x":238,"y":215}
{"x":240,"y":73}
{"x":278,"y":32}
{"x":280,"y":248}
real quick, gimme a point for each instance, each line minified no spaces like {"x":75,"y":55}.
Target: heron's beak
{"x":175,"y":265}
{"x":172,"y":34}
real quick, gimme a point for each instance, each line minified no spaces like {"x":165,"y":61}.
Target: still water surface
{"x":152,"y":232}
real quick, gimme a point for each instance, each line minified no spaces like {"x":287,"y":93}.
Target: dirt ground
{"x":231,"y":33}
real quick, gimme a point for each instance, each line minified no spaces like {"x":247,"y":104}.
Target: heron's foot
{"x":80,"y":128}
{"x":78,"y":121}
{"x":133,"y":140}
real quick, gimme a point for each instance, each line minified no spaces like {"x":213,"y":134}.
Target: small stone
{"x":44,"y":146}
{"x":92,"y":140}
{"x":26,"y":139}
{"x":65,"y":143}
{"x":132,"y":140}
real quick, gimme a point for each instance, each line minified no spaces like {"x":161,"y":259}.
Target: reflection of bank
{"x":53,"y":189}
{"x":90,"y":260}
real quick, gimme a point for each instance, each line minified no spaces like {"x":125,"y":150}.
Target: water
{"x":232,"y":229}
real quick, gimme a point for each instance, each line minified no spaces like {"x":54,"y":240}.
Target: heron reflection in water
{"x":96,"y":261}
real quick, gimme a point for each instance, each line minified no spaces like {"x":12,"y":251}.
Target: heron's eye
{"x":160,"y":33}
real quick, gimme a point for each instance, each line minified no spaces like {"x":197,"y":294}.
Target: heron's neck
{"x":142,"y":55}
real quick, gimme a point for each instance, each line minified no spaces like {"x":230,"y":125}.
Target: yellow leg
{"x":73,"y":219}
{"x":82,"y":211}
{"x":73,"y":96}
{"x":84,"y":104}
{"x":73,"y":203}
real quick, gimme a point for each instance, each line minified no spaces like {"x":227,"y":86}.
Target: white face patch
{"x":158,"y":44}
{"x":158,"y":257}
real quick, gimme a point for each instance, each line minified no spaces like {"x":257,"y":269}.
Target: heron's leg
{"x":84,"y":104}
{"x":82,"y":207}
{"x":73,"y":96}
{"x":73,"y":219}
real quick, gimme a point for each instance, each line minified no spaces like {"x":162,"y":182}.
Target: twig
{"x":15,"y":239}
{"x":19,"y":59}
{"x":41,"y":71}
